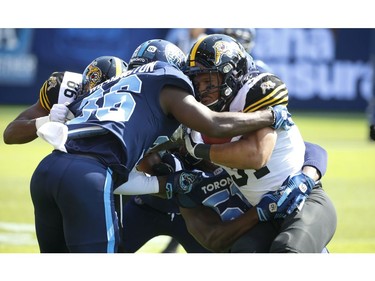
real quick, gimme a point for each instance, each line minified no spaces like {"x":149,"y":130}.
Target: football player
{"x":216,"y":212}
{"x":114,"y":125}
{"x":59,"y":90}
{"x":144,"y":217}
{"x":226,"y":79}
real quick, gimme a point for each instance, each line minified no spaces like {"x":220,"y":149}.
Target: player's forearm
{"x":216,"y":235}
{"x":224,"y":235}
{"x":239,"y":155}
{"x":19,"y":132}
{"x":252,"y":151}
{"x":231,"y":125}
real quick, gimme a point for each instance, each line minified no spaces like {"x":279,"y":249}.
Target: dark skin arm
{"x":212,"y":233}
{"x":22,"y":129}
{"x":178,"y":103}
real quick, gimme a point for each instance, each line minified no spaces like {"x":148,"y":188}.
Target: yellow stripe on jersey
{"x":118,"y":66}
{"x":194,"y":51}
{"x":277,"y":96}
{"x":43,"y":97}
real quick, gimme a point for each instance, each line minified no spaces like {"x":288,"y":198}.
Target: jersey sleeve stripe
{"x":43,"y":98}
{"x":278,"y":96}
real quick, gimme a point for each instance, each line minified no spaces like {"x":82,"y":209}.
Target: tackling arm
{"x":183,"y":106}
{"x":22,"y":129}
{"x":212,"y":233}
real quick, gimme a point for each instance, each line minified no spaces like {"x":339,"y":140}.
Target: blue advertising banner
{"x":324,"y":69}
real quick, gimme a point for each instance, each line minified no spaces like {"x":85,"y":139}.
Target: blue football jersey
{"x":124,"y":115}
{"x":217,"y":191}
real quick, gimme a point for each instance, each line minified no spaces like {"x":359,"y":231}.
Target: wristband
{"x":273,"y":115}
{"x":40,"y":121}
{"x":202,"y":151}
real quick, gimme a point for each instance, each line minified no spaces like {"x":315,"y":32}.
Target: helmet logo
{"x":52,"y":83}
{"x":268,"y":85}
{"x":94,"y":75}
{"x":174,"y":55}
{"x":186,"y":181}
{"x":151,"y":49}
{"x":230,"y":49}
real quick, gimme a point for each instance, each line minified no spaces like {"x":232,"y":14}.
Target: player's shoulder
{"x":58,"y":84}
{"x":56,"y":78}
{"x":264,"y":81}
{"x":261,"y":89}
{"x":163,"y":73}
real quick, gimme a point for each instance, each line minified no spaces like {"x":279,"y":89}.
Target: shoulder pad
{"x":265,"y":90}
{"x":50,"y":88}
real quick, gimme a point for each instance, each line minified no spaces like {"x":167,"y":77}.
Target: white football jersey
{"x":286,"y":159}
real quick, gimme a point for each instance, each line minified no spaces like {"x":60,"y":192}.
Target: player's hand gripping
{"x":58,"y":113}
{"x":295,"y":191}
{"x":267,"y":207}
{"x":181,"y":182}
{"x":195,"y":149}
{"x":283,"y":119}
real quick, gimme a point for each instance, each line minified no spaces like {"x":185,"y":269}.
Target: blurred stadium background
{"x":328,"y":73}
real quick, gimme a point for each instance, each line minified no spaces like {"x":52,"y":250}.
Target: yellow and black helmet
{"x":100,"y":70}
{"x":220,"y":53}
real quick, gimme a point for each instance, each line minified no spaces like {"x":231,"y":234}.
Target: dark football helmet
{"x":220,"y":54}
{"x":100,"y":70}
{"x":157,"y":50}
{"x":245,"y":36}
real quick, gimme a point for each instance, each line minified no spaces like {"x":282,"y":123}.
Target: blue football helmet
{"x":100,"y":70}
{"x":245,"y":36}
{"x":157,"y":50}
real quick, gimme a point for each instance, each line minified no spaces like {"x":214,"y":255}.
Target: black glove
{"x":197,"y":150}
{"x":170,"y":163}
{"x":181,"y":182}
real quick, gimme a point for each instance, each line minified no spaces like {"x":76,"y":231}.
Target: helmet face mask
{"x":222,"y":54}
{"x":100,"y":70}
{"x":208,"y":85}
{"x":157,"y":50}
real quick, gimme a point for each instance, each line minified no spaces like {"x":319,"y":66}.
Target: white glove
{"x":54,"y":133}
{"x":179,"y":134}
{"x":60,"y":113}
{"x":195,"y":147}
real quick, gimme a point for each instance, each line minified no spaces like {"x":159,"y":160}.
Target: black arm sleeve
{"x":316,"y":156}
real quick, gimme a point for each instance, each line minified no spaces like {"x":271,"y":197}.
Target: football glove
{"x":181,"y":182}
{"x":295,"y":191}
{"x":267,"y":207}
{"x":58,"y":113}
{"x":282,"y":117}
{"x":170,"y":163}
{"x":197,"y":150}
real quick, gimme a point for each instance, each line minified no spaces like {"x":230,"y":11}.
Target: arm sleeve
{"x":316,"y":156}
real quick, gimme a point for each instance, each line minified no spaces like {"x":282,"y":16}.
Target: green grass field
{"x":350,"y":182}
